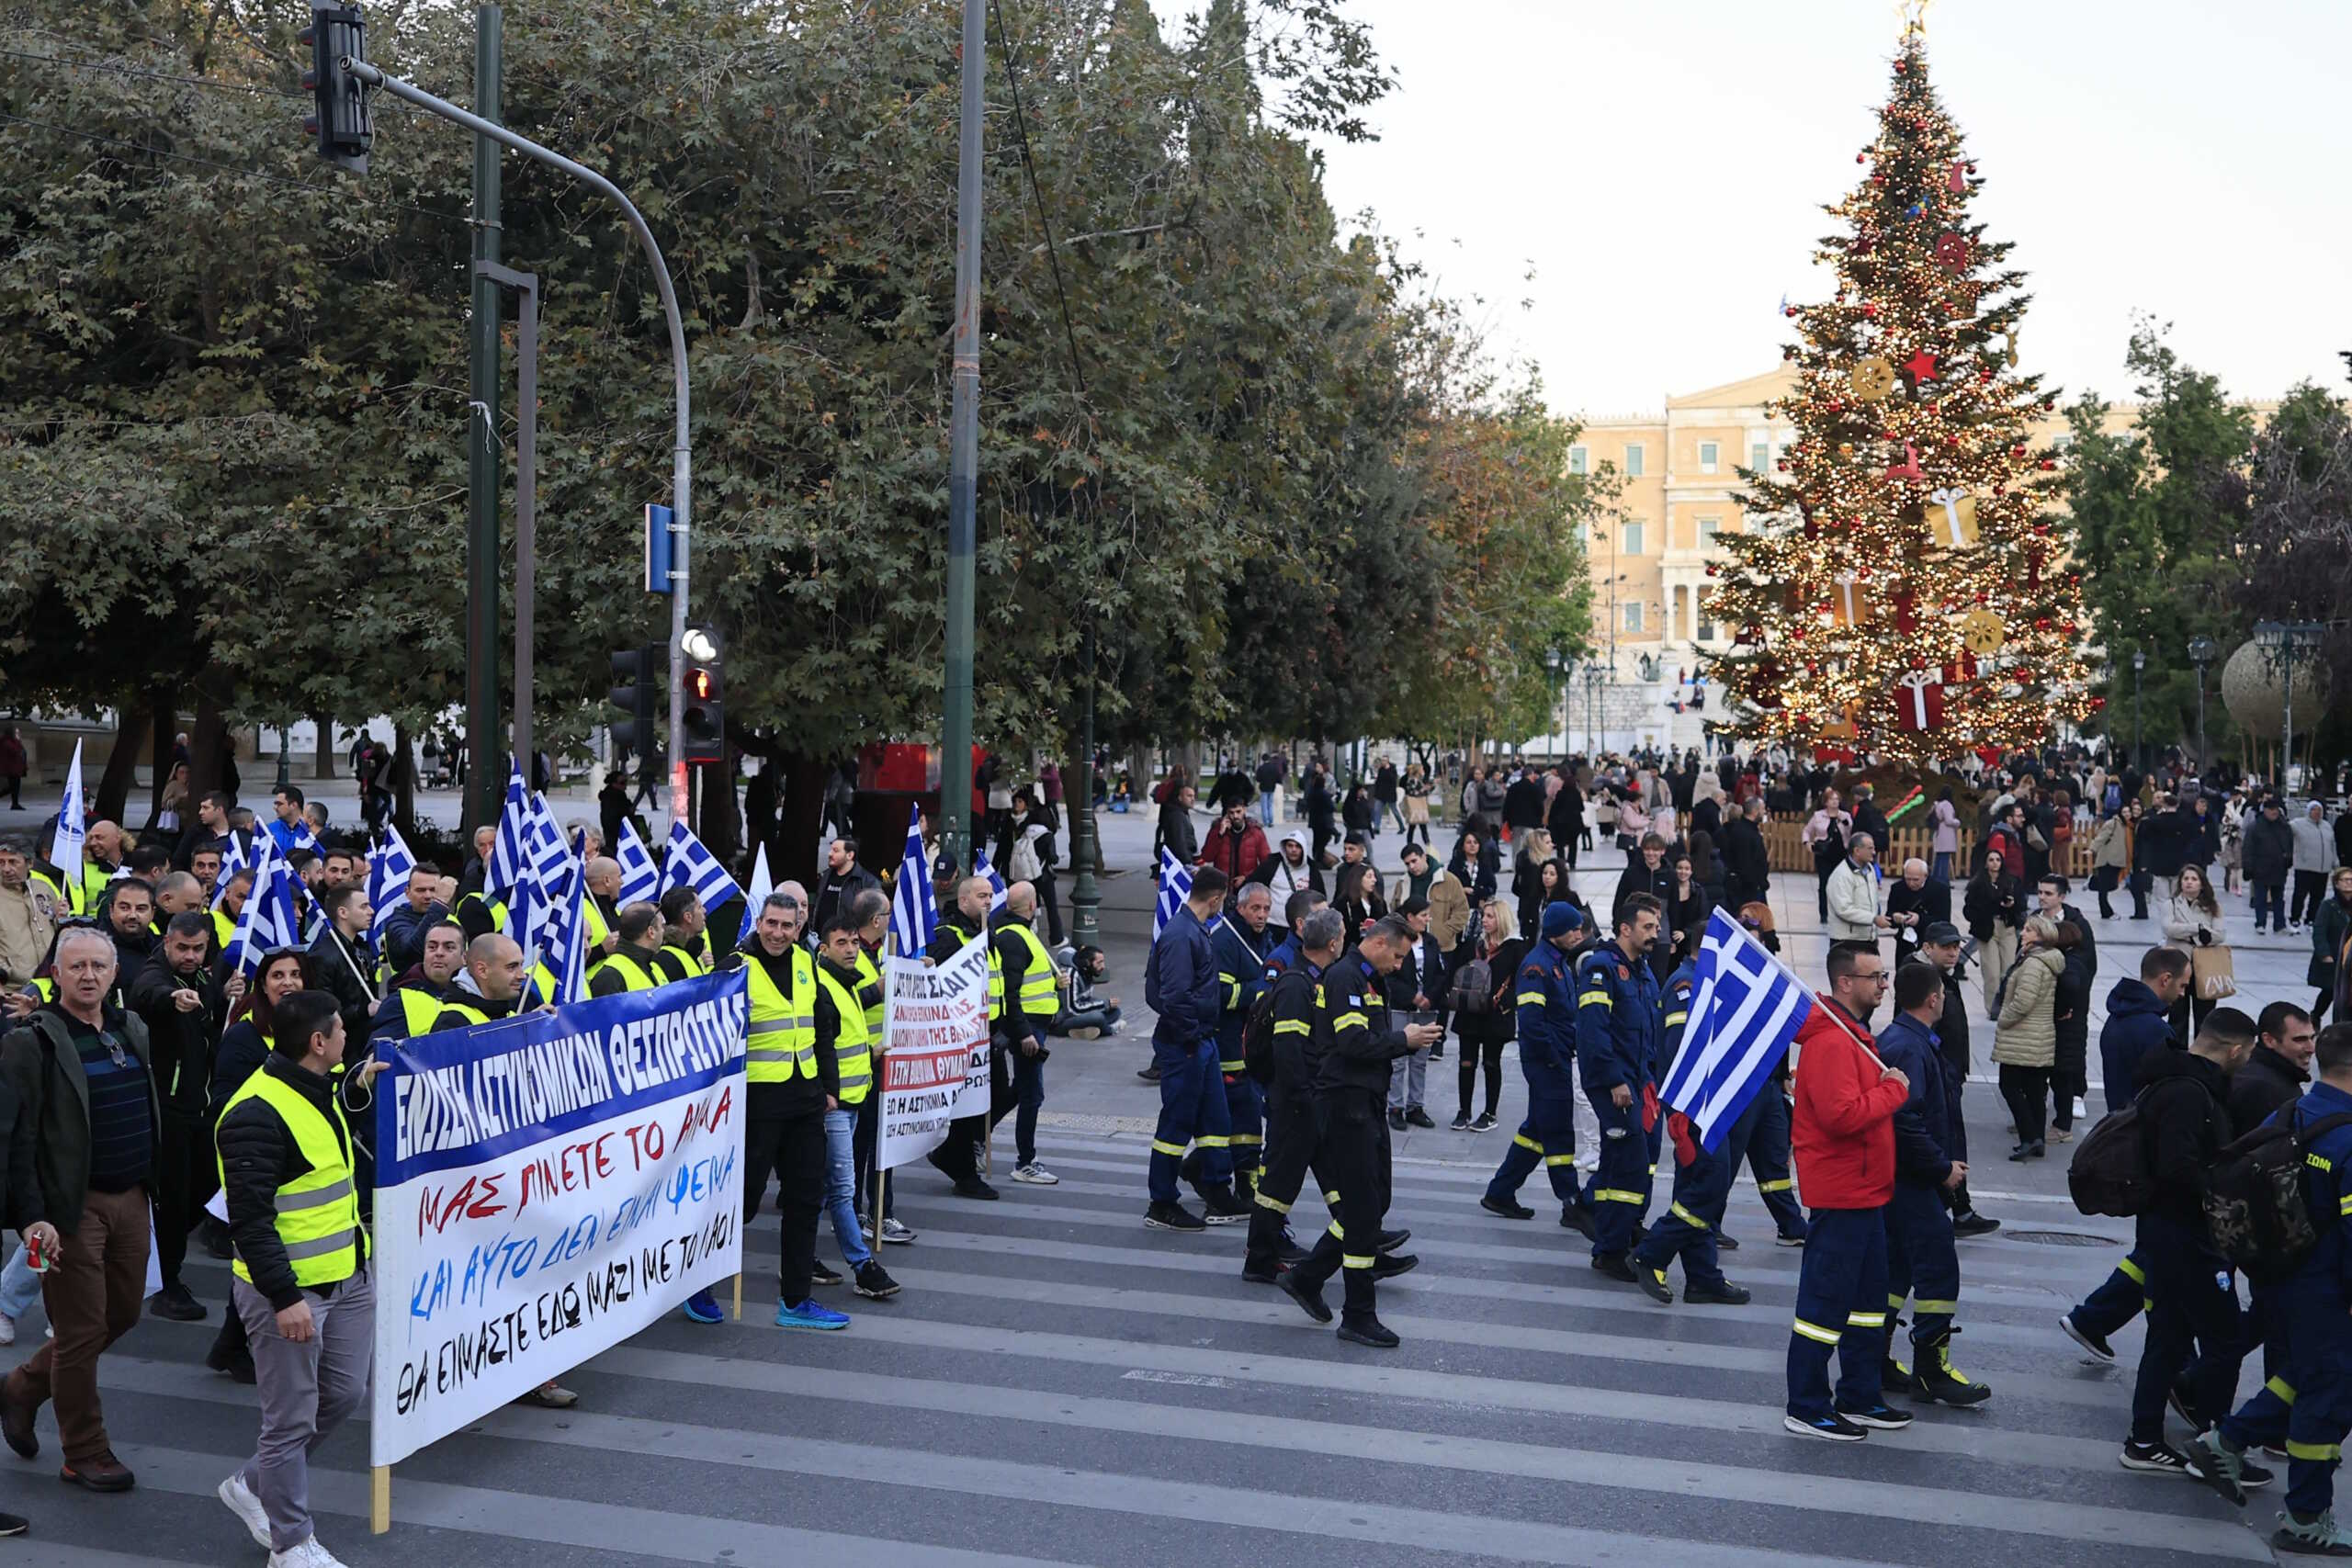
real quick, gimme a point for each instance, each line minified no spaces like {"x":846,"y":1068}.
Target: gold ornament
{"x":1871,"y":378}
{"x":1951,"y":522}
{"x":2013,"y":348}
{"x":1983,"y":632}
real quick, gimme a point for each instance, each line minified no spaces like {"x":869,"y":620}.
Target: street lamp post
{"x":2200,"y":653}
{"x":2139,"y":751}
{"x":2281,"y":642}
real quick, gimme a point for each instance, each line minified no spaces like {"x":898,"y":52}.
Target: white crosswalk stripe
{"x":1057,"y":1384}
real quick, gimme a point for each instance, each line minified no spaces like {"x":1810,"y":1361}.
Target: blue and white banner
{"x":640,"y":881}
{"x":65,"y":852}
{"x":1745,"y":1008}
{"x":546,"y":1186}
{"x":914,"y":910}
{"x":1175,"y":886}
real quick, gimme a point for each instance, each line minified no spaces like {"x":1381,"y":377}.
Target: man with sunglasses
{"x":1843,"y":1116}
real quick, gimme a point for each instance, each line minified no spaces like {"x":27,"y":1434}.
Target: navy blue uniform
{"x":1922,"y":1261}
{"x":1241,"y":975}
{"x":1543,"y":999}
{"x":1351,"y":1124}
{"x":1181,"y":988}
{"x":1617,"y":1029}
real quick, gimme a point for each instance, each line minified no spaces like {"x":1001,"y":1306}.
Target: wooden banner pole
{"x":379,"y":1500}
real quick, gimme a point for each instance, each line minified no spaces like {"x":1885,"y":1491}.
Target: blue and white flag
{"x":390,"y":866}
{"x":689,"y":864}
{"x":914,"y":910}
{"x":1175,"y":886}
{"x":761,"y":885}
{"x":66,"y":853}
{"x":1745,"y":1008}
{"x":544,"y":835}
{"x":638,"y":877}
{"x":510,"y":852}
{"x":565,"y":947}
{"x":980,"y":867}
{"x":271,"y":919}
{"x":235,"y":857}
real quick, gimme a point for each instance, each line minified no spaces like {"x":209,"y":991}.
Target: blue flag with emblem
{"x":914,"y":909}
{"x":638,"y":877}
{"x":689,"y":864}
{"x":1744,"y":1010}
{"x":1175,"y":886}
{"x":390,"y":866}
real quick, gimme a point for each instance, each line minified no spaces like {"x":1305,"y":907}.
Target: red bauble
{"x":1878,"y":179}
{"x":1985,"y":375}
{"x":1861,"y":157}
{"x":1951,"y":440}
{"x":1871,"y":313}
{"x":2017,"y":451}
{"x":1901,"y":66}
{"x":1788,"y":310}
{"x":2050,"y":462}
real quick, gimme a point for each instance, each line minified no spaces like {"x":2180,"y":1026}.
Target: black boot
{"x":1939,"y":1380}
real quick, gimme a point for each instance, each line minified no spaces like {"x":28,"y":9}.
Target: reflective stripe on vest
{"x":634,"y":974}
{"x":782,"y":1034}
{"x":1038,"y":997}
{"x":869,"y":980}
{"x":689,"y":964}
{"x":852,"y":1047}
{"x":467,"y":1010}
{"x":318,"y":1212}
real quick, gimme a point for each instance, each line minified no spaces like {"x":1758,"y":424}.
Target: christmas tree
{"x":1900,"y":591}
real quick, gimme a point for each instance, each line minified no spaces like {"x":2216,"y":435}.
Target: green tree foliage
{"x":2155,"y":547}
{"x":234,"y":426}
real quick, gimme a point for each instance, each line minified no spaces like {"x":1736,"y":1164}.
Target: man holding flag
{"x":1617,"y":1023}
{"x":1702,"y":1181}
{"x":1846,"y":1098}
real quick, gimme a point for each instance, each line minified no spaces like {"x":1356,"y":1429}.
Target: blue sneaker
{"x":702,"y":1307}
{"x":809,"y":1315}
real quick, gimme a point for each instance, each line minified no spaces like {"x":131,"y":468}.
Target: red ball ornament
{"x":2050,"y":462}
{"x":2017,"y":451}
{"x":1952,"y":441}
{"x":1878,"y":179}
{"x":1871,"y":313}
{"x":1789,"y":310}
{"x":1861,"y":157}
{"x":1901,"y":66}
{"x":2000,"y":490}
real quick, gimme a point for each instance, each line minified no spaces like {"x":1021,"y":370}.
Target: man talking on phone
{"x":301,"y":1281}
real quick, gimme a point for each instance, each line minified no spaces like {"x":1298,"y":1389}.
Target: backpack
{"x":1258,"y":1038}
{"x":2109,"y":1173}
{"x":2257,"y":1206}
{"x":1473,"y":988}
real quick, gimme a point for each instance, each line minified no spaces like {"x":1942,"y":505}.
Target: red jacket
{"x":1236,"y":857}
{"x":1843,"y":1131}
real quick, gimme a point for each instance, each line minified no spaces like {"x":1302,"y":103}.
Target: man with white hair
{"x":1913,"y":904}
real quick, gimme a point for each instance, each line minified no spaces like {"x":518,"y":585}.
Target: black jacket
{"x":2185,"y":1122}
{"x":838,"y":892}
{"x":182,"y":1042}
{"x":49,"y":1138}
{"x":1298,"y":1050}
{"x":1989,"y":904}
{"x":1932,"y":901}
{"x":2267,"y":1082}
{"x":1565,"y":816}
{"x":1747,"y":861}
{"x":1637,"y":877}
{"x":341,"y":969}
{"x":2073,"y":1009}
{"x":1523,"y":804}
{"x":1951,"y":1029}
{"x":404,"y":932}
{"x":1364,"y":1039}
{"x":258,"y":1155}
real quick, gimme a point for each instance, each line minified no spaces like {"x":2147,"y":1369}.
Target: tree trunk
{"x":403,"y":784}
{"x":122,"y":767}
{"x":802,"y":815}
{"x":162,"y":717}
{"x":717,"y":822}
{"x":211,"y":747}
{"x":321,"y":747}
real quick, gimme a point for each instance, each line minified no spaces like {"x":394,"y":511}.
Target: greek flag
{"x":235,"y":857}
{"x":1745,"y":1008}
{"x":510,"y":852}
{"x":390,"y":866}
{"x":1175,"y":886}
{"x":639,"y":878}
{"x":980,"y":867}
{"x":688,"y":864}
{"x":566,"y":949}
{"x":544,"y":838}
{"x":761,"y":885}
{"x":270,"y":919}
{"x":914,"y":913}
{"x":66,"y":853}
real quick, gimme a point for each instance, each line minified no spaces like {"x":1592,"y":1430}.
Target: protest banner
{"x":938,"y":1068}
{"x":546,"y":1186}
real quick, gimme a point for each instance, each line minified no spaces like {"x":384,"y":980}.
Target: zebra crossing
{"x":1057,"y":1384}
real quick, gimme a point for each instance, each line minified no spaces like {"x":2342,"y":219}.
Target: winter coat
{"x":2315,"y":852}
{"x":2111,"y":845}
{"x":2137,"y":1024}
{"x":1989,"y":904}
{"x":1841,"y":1114}
{"x":2184,"y":1122}
{"x":2269,"y":850}
{"x":2257,"y":1089}
{"x":47,"y":1096}
{"x":1236,"y":854}
{"x":1853,"y":903}
{"x":1923,"y":1129}
{"x":2026,"y":1034}
{"x":2329,"y":924}
{"x":2188,"y":928}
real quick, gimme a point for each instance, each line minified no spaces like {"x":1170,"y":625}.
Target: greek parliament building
{"x":1681,"y":490}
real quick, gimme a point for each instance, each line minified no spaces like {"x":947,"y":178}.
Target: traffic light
{"x":340,"y":121}
{"x":703,"y":689}
{"x":636,"y":672}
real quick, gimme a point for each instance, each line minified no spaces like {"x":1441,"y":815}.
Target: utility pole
{"x":681,"y":446}
{"x":487,"y":780}
{"x":963,"y":461}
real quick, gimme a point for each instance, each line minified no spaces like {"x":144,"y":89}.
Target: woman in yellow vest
{"x":302,"y":1288}
{"x":841,"y":1022}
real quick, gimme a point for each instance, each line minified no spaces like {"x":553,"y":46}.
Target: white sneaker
{"x":239,"y":1499}
{"x":309,"y":1554}
{"x":1035,"y":1175}
{"x":896,"y":1234}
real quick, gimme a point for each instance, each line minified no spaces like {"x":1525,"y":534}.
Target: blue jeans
{"x":2270,"y":901}
{"x":19,"y":1286}
{"x":841,"y":1186}
{"x":1266,"y":807}
{"x":1940,"y":867}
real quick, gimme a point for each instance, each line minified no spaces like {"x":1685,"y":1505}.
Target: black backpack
{"x":1473,"y":988}
{"x":2109,"y":1173}
{"x":2257,"y":1203}
{"x":1258,"y":1036}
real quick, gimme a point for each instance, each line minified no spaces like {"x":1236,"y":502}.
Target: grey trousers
{"x":1407,"y":1076}
{"x":307,"y":1391}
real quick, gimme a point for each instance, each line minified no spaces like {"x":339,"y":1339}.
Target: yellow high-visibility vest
{"x":782,"y":1036}
{"x":318,"y":1212}
{"x":1038,"y":998}
{"x":852,"y":1047}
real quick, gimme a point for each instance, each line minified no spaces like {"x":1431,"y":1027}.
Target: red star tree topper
{"x":1911,"y":480}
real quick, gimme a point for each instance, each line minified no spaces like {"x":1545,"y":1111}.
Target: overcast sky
{"x":1660,"y":165}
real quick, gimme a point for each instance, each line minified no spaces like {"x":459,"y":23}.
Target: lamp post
{"x":2139,"y":754}
{"x":2282,"y":642}
{"x":2200,"y":653}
